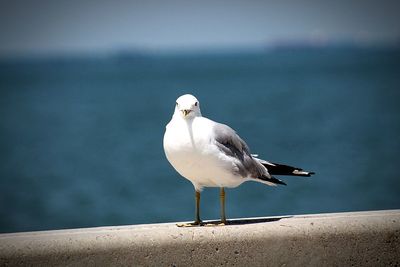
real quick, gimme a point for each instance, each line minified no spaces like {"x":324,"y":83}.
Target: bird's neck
{"x":188,"y":118}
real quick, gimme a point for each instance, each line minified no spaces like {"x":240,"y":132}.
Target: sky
{"x":29,"y":27}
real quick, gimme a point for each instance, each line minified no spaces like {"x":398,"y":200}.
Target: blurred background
{"x":86,"y":89}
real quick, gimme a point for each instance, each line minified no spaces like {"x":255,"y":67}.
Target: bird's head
{"x":187,"y":106}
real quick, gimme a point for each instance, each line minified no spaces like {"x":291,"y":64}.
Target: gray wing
{"x":232,"y":145}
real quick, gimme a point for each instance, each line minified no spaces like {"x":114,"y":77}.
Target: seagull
{"x":211,"y":154}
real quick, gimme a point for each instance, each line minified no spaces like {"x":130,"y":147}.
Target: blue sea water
{"x":81,"y":138}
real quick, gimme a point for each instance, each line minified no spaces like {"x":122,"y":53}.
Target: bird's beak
{"x":185,"y":112}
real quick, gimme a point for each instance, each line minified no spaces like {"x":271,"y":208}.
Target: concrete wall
{"x":341,"y":239}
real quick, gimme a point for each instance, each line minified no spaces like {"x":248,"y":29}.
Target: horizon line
{"x":153,"y":51}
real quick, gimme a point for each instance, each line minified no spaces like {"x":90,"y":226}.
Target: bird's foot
{"x":221,"y":223}
{"x":193,"y":224}
{"x":200,"y":223}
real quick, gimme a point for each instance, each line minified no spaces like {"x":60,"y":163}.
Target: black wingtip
{"x":273,"y":180}
{"x":309,"y":174}
{"x":277,"y":181}
{"x":282,"y":169}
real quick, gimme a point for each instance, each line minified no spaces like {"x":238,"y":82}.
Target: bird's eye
{"x":176,"y":103}
{"x":196,"y":104}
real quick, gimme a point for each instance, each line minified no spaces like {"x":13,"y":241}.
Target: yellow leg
{"x":197,"y":221}
{"x":222,"y":201}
